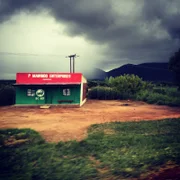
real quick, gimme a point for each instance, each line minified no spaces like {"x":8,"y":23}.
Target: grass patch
{"x":111,"y":150}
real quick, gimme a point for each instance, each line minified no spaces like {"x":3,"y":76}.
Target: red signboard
{"x":48,"y":78}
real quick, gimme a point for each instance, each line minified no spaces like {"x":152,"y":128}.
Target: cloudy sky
{"x":37,"y":35}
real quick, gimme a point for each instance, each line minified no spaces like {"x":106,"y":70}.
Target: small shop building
{"x":50,"y":88}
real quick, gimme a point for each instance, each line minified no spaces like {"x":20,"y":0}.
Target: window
{"x":66,"y":92}
{"x":30,"y":92}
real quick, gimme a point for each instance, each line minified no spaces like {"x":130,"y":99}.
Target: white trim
{"x":83,"y":102}
{"x":84,"y":80}
{"x":81,"y":93}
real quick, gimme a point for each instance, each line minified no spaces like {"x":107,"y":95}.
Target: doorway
{"x":48,"y":96}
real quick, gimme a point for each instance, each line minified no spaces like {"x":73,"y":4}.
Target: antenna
{"x":72,"y":63}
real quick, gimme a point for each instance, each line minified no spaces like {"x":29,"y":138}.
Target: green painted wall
{"x":52,"y":94}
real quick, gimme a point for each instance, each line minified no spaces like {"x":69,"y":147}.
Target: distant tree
{"x":127,"y":85}
{"x":174,"y":65}
{"x":7,"y":95}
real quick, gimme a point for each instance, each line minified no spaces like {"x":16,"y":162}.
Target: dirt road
{"x":62,"y":124}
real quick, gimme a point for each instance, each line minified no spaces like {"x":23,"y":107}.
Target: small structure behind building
{"x":50,"y":88}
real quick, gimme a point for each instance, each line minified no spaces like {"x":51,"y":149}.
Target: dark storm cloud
{"x":132,"y":31}
{"x":167,"y":12}
{"x":11,"y":7}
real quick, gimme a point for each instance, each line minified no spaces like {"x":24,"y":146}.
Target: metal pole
{"x":73,"y":64}
{"x":70,"y":64}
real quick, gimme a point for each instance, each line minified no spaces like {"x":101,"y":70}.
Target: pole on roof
{"x":73,"y":65}
{"x":72,"y":62}
{"x":70,"y":65}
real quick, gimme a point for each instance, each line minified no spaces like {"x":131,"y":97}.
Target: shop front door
{"x":48,"y":95}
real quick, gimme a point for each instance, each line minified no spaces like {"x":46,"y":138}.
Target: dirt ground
{"x":63,"y":124}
